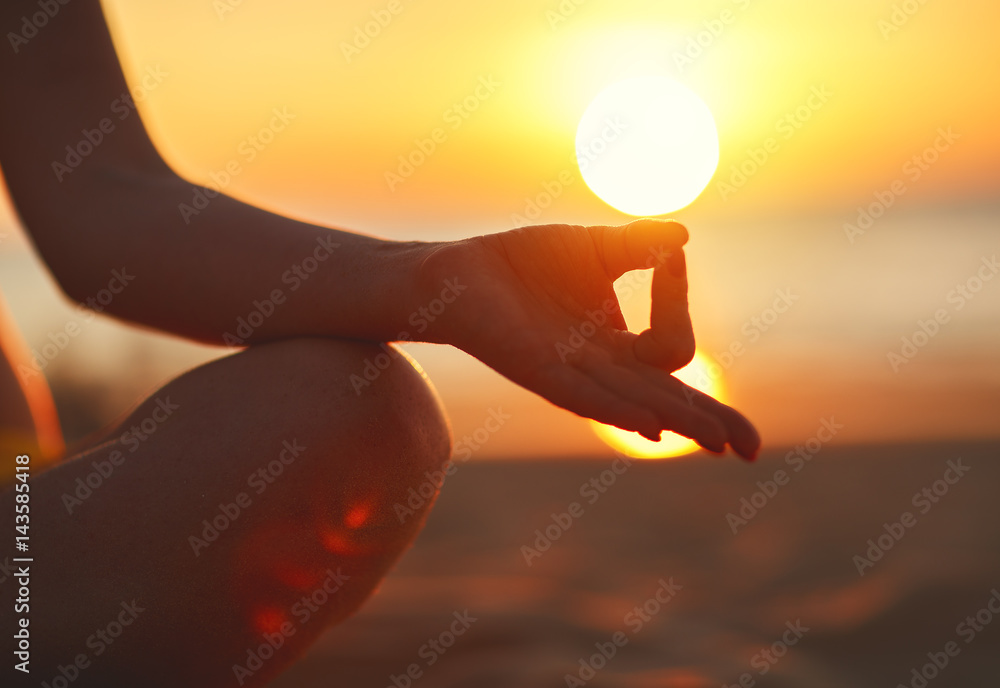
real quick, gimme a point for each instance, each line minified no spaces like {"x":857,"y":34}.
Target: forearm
{"x":238,"y":270}
{"x":120,"y":209}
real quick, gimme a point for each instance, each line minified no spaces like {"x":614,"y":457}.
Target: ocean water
{"x":781,"y":602}
{"x":828,"y":353}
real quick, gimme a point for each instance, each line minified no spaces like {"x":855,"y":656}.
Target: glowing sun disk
{"x":647,"y":145}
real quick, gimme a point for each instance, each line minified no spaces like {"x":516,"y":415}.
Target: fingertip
{"x":673,"y":231}
{"x":742,"y":435}
{"x":639,"y":244}
{"x":707,"y":432}
{"x":747,"y":449}
{"x":667,"y":357}
{"x":744,"y":440}
{"x":648,"y":425}
{"x":651,"y":436}
{"x":711,"y":448}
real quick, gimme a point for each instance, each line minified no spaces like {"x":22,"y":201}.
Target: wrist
{"x":437,"y":290}
{"x":412,"y":280}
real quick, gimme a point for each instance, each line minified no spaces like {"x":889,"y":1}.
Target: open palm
{"x":540,"y":309}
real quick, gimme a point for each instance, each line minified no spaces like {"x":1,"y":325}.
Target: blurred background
{"x":361,"y":94}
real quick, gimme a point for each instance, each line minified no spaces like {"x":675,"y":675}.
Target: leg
{"x":250,"y":502}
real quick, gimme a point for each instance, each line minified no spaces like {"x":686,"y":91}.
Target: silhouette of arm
{"x":118,"y":210}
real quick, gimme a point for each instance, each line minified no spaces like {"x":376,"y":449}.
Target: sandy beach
{"x":650,"y":587}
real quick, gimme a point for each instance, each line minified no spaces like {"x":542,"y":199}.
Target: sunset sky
{"x":887,"y":94}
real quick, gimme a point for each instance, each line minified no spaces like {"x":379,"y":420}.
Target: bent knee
{"x":369,"y":400}
{"x":276,"y":469}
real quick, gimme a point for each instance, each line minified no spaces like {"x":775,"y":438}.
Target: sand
{"x":788,"y":576}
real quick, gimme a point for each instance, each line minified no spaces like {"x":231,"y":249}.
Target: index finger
{"x":638,"y":245}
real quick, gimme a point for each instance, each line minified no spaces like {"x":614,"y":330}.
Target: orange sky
{"x":888,"y":97}
{"x":353,"y":118}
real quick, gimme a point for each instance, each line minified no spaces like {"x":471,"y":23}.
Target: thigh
{"x":240,"y":510}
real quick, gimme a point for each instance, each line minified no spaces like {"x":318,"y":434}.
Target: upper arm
{"x":56,"y":88}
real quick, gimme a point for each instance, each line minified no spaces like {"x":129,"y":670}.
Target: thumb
{"x":639,"y":245}
{"x":669,"y":342}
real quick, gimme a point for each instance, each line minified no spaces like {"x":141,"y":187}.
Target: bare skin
{"x":332,"y":508}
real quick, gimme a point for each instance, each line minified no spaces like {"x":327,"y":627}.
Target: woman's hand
{"x":538,"y":306}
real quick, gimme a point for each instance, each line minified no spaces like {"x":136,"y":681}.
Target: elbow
{"x":68,"y":280}
{"x":67,"y":268}
{"x":83,"y":272}
{"x":95,"y":241}
{"x":97,"y":291}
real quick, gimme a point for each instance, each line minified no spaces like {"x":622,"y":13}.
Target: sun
{"x":701,"y":373}
{"x":647,"y":145}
